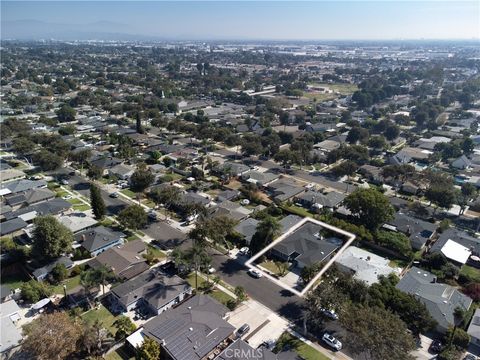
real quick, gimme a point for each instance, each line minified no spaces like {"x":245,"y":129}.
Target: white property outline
{"x":350,"y":238}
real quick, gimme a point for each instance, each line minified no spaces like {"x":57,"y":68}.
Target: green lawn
{"x":159,"y":254}
{"x":81,"y":207}
{"x":304,"y":350}
{"x":129,"y":193}
{"x":473,"y":274}
{"x":121,"y":353}
{"x":344,"y":89}
{"x":218,"y":295}
{"x":75,"y":201}
{"x":132,"y":237}
{"x":270,"y":265}
{"x":103,"y":315}
{"x":297,"y":210}
{"x":71,"y":284}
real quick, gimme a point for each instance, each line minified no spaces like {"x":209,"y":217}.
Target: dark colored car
{"x":243,"y":329}
{"x":435,"y":347}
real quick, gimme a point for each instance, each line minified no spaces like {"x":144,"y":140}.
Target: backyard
{"x":103,"y":315}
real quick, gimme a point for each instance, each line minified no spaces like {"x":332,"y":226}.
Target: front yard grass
{"x":81,"y":207}
{"x":270,"y":266}
{"x":129,"y":193}
{"x":217,"y":294}
{"x":159,"y":254}
{"x":306,"y":351}
{"x":103,"y":315}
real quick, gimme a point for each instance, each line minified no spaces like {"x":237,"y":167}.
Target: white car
{"x":211,"y":270}
{"x":332,"y":341}
{"x":64,"y":182}
{"x":330,"y":313}
{"x":67,"y":197}
{"x":255,"y":273}
{"x":244,"y":251}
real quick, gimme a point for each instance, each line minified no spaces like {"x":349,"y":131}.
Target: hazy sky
{"x":263,"y":19}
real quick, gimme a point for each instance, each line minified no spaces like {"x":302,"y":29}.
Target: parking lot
{"x":265,"y":325}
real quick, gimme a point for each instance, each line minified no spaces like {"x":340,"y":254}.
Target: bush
{"x":397,"y":242}
{"x":460,"y":338}
{"x":33,"y":291}
{"x":449,"y":353}
{"x":77,"y":270}
{"x":232,"y":304}
{"x":80,"y":254}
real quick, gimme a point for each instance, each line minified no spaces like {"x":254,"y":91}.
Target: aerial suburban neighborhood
{"x":218,"y":200}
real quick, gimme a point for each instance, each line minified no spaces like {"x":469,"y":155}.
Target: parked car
{"x":211,"y":270}
{"x":330,"y":313}
{"x":245,"y":328}
{"x":114,"y":195}
{"x":435,"y":347}
{"x":67,"y":197}
{"x":332,"y":341}
{"x":255,"y":273}
{"x":152,"y":215}
{"x":244,"y":251}
{"x":64,"y":182}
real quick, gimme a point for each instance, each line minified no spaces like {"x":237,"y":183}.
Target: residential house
{"x":317,"y":200}
{"x":12,"y":226}
{"x":231,"y":209}
{"x":121,"y":171}
{"x":460,"y":237}
{"x":52,"y":207}
{"x":22,"y":185}
{"x":228,"y":194}
{"x":153,"y":289}
{"x":306,"y":246}
{"x":418,"y":231}
{"x":11,"y":174}
{"x":461,"y":163}
{"x":440,"y":299}
{"x":29,"y":197}
{"x":125,"y":261}
{"x":372,"y":173}
{"x":195,"y":330}
{"x":99,"y":239}
{"x":247,"y":228}
{"x":364,"y":265}
{"x":259,"y":178}
{"x":288,"y":222}
{"x":77,"y":222}
{"x":10,"y":336}
{"x":41,"y":274}
{"x":474,"y":328}
{"x":284,"y":189}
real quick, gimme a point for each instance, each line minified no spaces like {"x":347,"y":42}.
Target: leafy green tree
{"x":467,"y":145}
{"x":51,"y":239}
{"x":33,"y":291}
{"x":94,"y":277}
{"x":23,"y":145}
{"x":309,"y":272}
{"x":357,"y":134}
{"x":133,"y":217}
{"x":47,"y":161}
{"x":345,"y":168}
{"x":97,"y":203}
{"x":124,"y":326}
{"x":150,"y":350}
{"x":458,"y":337}
{"x":377,"y":332}
{"x":240,"y":292}
{"x":370,"y":207}
{"x":267,"y":230}
{"x":167,"y":195}
{"x":66,"y":113}
{"x":94,"y":172}
{"x":59,"y":273}
{"x":441,"y":196}
{"x":141,"y":179}
{"x":395,"y":241}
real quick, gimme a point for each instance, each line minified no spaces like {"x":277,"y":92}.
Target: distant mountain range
{"x":36,"y":30}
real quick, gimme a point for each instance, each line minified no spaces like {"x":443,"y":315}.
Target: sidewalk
{"x":330,"y":354}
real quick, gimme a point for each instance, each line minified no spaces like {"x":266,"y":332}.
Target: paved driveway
{"x":265,"y":325}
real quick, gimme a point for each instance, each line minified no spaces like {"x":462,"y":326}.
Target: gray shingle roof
{"x":153,"y":286}
{"x":247,"y":228}
{"x":11,"y":226}
{"x":98,"y":237}
{"x":440,"y":299}
{"x":307,"y":244}
{"x":192,"y":330}
{"x":459,"y":237}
